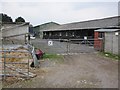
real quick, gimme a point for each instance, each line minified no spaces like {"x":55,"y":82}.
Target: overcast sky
{"x":65,"y":11}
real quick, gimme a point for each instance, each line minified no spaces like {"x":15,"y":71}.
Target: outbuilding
{"x":107,"y":40}
{"x":79,"y":30}
{"x":17,"y":32}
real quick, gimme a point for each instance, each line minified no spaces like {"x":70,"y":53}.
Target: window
{"x":100,"y":35}
{"x":66,"y":34}
{"x":60,"y":34}
{"x":50,"y":34}
{"x":45,"y":33}
{"x":73,"y":34}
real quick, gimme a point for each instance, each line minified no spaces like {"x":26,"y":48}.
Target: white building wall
{"x":119,"y":43}
{"x":115,"y":43}
{"x":111,"y":42}
{"x":108,"y":42}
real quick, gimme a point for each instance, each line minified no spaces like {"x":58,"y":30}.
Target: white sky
{"x":66,"y":11}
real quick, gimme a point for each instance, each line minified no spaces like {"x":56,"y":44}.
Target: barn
{"x":37,"y":30}
{"x":78,"y":30}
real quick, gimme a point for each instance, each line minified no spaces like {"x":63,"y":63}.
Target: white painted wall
{"x":111,"y":42}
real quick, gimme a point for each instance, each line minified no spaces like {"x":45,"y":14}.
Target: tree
{"x":19,"y":19}
{"x":5,"y":18}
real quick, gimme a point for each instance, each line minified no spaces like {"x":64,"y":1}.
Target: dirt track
{"x":75,"y":71}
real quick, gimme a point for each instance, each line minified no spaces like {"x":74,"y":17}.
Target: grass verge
{"x":54,"y":57}
{"x":51,"y":56}
{"x":110,"y":55}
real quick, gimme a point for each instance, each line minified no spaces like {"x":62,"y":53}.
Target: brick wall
{"x":98,"y":42}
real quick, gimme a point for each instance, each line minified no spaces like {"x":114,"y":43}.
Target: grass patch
{"x":51,"y":56}
{"x":54,"y":57}
{"x":110,"y":55}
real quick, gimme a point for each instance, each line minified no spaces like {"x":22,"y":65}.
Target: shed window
{"x":100,"y":35}
{"x":50,"y":34}
{"x":66,"y":34}
{"x":60,"y":34}
{"x":73,"y":34}
{"x":45,"y":33}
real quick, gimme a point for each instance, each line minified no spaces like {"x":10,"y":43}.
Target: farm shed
{"x":37,"y":30}
{"x":78,"y":30}
{"x":108,"y":39}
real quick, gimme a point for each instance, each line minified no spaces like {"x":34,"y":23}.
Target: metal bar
{"x":4,"y":66}
{"x":9,"y":75}
{"x":67,"y":48}
{"x":70,"y":39}
{"x":14,"y":72}
{"x":15,"y":63}
{"x":15,"y":51}
{"x":12,"y":57}
{"x":14,"y":35}
{"x":28,"y":66}
{"x":17,"y":70}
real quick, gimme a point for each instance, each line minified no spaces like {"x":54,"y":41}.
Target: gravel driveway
{"x":78,"y":70}
{"x":74,"y":71}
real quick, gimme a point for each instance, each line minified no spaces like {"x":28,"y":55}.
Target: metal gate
{"x":15,"y":59}
{"x":68,"y":46}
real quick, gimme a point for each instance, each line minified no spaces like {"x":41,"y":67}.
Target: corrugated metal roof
{"x":107,"y":30}
{"x":99,"y":23}
{"x":46,"y":26}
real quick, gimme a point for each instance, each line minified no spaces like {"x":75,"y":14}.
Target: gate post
{"x":68,"y":46}
{"x":36,"y":64}
{"x":102,"y":44}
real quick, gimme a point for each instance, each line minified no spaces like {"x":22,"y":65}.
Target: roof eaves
{"x":107,"y":30}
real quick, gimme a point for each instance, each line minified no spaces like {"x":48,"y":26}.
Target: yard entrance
{"x":71,"y":64}
{"x":84,"y":70}
{"x":66,"y":46}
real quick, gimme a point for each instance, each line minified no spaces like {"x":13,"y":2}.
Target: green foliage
{"x":5,"y":18}
{"x":19,"y":19}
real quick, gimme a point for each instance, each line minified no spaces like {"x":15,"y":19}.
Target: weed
{"x":110,"y":55}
